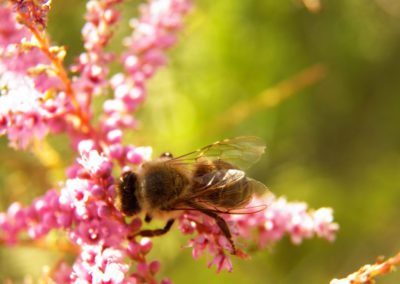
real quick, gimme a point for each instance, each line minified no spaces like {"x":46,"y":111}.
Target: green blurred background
{"x":334,"y":143}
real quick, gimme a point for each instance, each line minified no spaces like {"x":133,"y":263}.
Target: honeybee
{"x":210,"y":180}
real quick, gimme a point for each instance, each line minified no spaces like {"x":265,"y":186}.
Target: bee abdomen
{"x":232,"y":196}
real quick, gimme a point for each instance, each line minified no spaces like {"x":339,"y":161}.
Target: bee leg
{"x":156,"y":232}
{"x":148,"y":218}
{"x":222,"y":225}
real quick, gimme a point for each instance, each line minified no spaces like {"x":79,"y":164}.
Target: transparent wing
{"x":222,"y":191}
{"x":219,"y":183}
{"x":240,"y":152}
{"x":217,"y":180}
{"x":257,"y":187}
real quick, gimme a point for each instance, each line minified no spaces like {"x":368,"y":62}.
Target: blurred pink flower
{"x":99,"y":265}
{"x":62,"y":273}
{"x":92,"y":65}
{"x":22,"y":116}
{"x":33,"y":13}
{"x":263,"y":227}
{"x":153,"y":33}
{"x":10,"y":31}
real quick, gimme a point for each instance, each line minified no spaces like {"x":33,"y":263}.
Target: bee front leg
{"x":148,"y":218}
{"x":156,"y":232}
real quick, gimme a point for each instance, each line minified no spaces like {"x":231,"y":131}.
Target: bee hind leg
{"x":223,"y":227}
{"x":156,"y":232}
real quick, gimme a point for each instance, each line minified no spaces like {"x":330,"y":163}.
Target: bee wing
{"x":223,"y":185}
{"x":218,"y":179}
{"x":241,"y":152}
{"x":208,"y":187}
{"x":217,"y":184}
{"x":210,"y":194}
{"x":256,"y":187}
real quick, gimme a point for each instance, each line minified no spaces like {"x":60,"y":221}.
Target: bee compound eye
{"x":125,"y":176}
{"x":166,"y":155}
{"x":129,"y":177}
{"x":126,"y":200}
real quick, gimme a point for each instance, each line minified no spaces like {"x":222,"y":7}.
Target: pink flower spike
{"x":33,"y":13}
{"x":138,"y":155}
{"x":222,"y":262}
{"x":146,"y":245}
{"x":11,"y":31}
{"x":92,"y":161}
{"x":114,"y":136}
{"x":142,"y":268}
{"x":324,"y":225}
{"x":92,"y":65}
{"x":134,"y":250}
{"x":154,"y":32}
{"x":62,"y":273}
{"x":166,"y":281}
{"x":154,"y":267}
{"x":21,"y":110}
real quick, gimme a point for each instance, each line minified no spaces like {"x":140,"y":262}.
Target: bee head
{"x":166,"y":155}
{"x":127,"y":201}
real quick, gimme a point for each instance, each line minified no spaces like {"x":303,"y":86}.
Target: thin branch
{"x":62,"y":74}
{"x":367,"y":273}
{"x":56,"y":57}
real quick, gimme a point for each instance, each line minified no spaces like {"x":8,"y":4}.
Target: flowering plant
{"x":40,"y":97}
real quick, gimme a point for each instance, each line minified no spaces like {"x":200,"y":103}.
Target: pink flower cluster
{"x":282,"y":217}
{"x":32,"y":103}
{"x":264,"y":227}
{"x":153,"y":33}
{"x":92,"y":65}
{"x":21,"y":114}
{"x":38,"y":98}
{"x":84,"y":209}
{"x":33,"y":11}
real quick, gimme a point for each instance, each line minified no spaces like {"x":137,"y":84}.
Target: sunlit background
{"x":318,"y":81}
